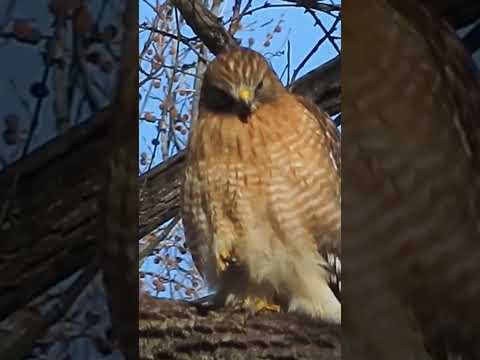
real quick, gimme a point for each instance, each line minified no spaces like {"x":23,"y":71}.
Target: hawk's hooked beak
{"x":246,"y":97}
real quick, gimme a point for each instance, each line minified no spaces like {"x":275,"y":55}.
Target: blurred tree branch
{"x":50,"y":206}
{"x":118,"y":249}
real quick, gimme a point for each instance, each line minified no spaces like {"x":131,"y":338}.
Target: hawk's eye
{"x":220,"y":94}
{"x":218,"y":99}
{"x":259,"y":86}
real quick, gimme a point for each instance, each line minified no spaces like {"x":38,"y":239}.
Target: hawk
{"x":411,"y":246}
{"x":261,"y":203}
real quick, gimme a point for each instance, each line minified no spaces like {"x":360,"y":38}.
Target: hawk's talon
{"x":224,"y":259}
{"x":258,"y":305}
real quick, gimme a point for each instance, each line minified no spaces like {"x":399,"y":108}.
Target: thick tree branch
{"x":160,"y":191}
{"x":176,"y":330}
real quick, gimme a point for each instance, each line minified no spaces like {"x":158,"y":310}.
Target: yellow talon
{"x":263,"y":305}
{"x":258,"y":305}
{"x":223,"y":260}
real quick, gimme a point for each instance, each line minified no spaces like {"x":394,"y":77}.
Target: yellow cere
{"x":245,"y":95}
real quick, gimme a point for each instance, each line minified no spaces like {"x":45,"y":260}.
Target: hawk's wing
{"x":333,"y":143}
{"x":328,"y":127}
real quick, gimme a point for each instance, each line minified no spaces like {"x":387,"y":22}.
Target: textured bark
{"x":176,"y":330}
{"x":160,"y":191}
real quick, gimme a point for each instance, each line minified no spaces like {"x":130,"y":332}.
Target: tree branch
{"x":177,"y":330}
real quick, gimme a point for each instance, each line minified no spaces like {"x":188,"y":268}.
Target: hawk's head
{"x":239,"y":81}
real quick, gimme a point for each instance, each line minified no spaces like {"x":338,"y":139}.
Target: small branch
{"x":328,"y":33}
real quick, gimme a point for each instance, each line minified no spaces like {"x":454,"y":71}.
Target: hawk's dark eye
{"x":218,"y":99}
{"x":259,"y":86}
